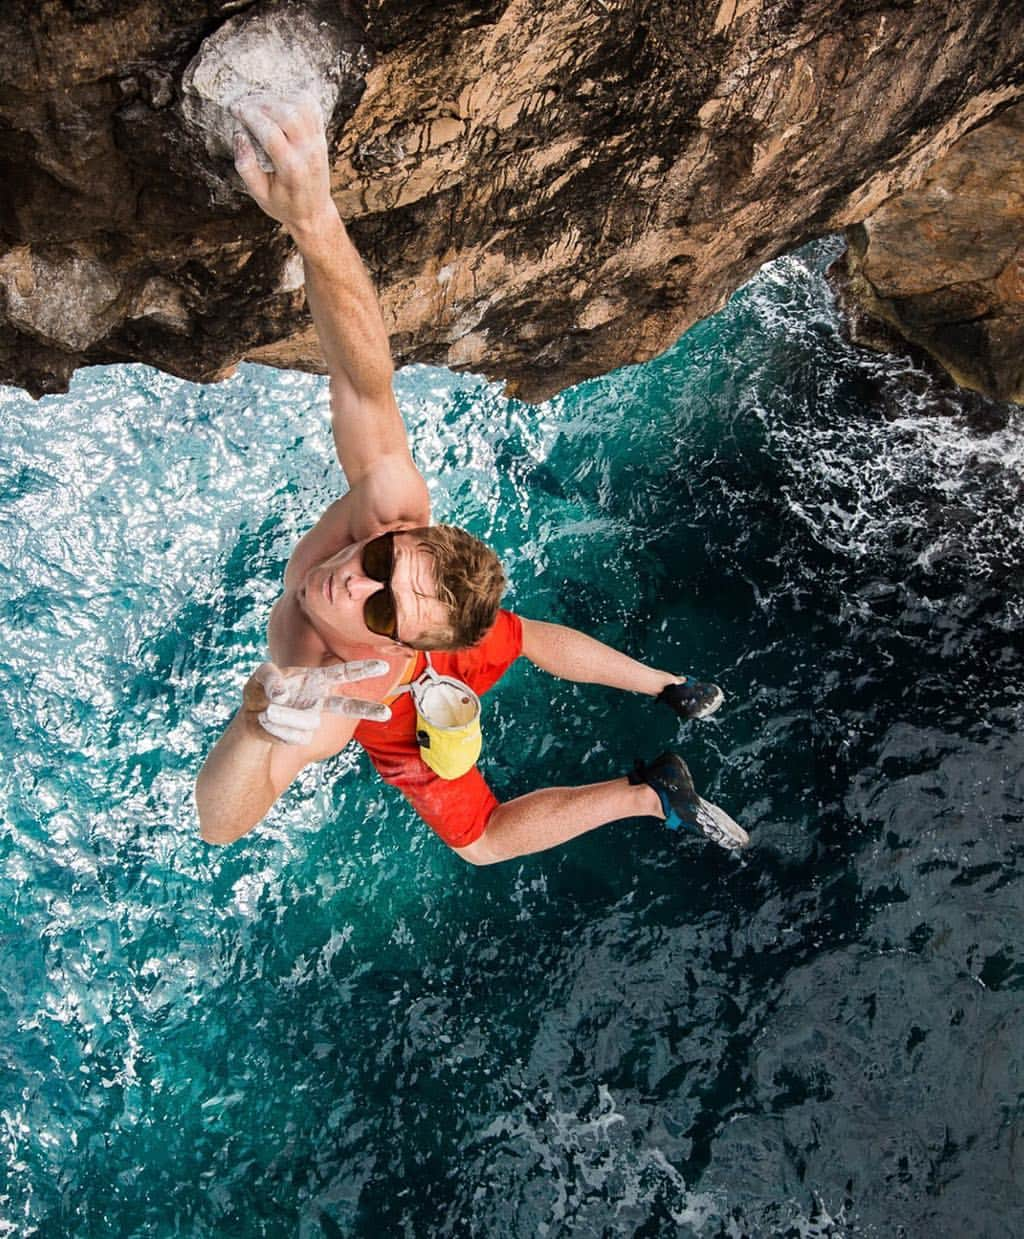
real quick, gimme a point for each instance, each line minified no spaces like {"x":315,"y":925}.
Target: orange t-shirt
{"x":457,"y":809}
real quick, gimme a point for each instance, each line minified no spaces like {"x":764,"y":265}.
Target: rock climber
{"x":389,"y":628}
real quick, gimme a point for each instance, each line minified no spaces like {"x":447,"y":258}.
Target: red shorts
{"x":456,"y":809}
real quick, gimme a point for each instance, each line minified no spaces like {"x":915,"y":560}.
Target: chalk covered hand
{"x":690,"y":699}
{"x":297,"y":192}
{"x":289,"y":704}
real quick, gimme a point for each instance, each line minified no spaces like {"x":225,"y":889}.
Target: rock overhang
{"x":543,"y":191}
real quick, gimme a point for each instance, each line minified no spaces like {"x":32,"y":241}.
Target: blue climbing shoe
{"x":670,"y":777}
{"x":691,"y":699}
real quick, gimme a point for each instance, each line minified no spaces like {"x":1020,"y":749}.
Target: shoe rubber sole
{"x":711,"y":705}
{"x":683,"y":807}
{"x":719,"y":827}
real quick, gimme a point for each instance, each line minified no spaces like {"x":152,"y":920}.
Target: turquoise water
{"x":337,"y":1028}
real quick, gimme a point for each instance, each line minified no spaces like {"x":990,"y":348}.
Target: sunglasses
{"x":379,"y":612}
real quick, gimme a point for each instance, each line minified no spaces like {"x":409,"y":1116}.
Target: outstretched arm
{"x":244,"y":774}
{"x":572,"y":655}
{"x":369,"y":435}
{"x":286,"y":721}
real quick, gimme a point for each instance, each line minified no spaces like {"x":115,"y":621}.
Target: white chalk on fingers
{"x":354,"y":707}
{"x":272,"y":680}
{"x":266,"y":135}
{"x":359,"y":669}
{"x":288,"y":716}
{"x":287,"y":735}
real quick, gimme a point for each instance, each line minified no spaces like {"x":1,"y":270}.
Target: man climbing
{"x":380,"y":609}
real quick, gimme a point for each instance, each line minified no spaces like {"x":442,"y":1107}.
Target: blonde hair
{"x":470,"y":582}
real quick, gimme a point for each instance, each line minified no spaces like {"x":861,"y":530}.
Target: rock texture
{"x":124,"y":233}
{"x":544,"y":189}
{"x":942,"y":266}
{"x":282,"y":48}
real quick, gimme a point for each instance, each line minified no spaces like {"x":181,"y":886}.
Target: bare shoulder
{"x":292,"y":639}
{"x":331,"y":533}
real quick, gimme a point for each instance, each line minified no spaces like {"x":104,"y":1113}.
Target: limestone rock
{"x":64,"y":299}
{"x":942,"y":266}
{"x":285,"y":49}
{"x":544,"y":190}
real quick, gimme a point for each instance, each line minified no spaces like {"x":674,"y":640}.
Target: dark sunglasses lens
{"x":379,"y":612}
{"x":378,"y":557}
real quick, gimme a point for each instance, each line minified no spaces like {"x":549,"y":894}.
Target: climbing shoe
{"x":670,"y":778}
{"x":691,"y":699}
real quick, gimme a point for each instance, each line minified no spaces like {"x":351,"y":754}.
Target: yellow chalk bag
{"x":447,"y":723}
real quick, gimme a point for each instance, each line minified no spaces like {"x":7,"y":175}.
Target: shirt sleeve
{"x":488,"y":660}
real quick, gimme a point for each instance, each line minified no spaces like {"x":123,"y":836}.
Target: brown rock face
{"x":124,"y":235}
{"x":943,"y":264}
{"x":544,"y":189}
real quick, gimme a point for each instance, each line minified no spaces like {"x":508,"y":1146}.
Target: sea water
{"x":335,"y":1027}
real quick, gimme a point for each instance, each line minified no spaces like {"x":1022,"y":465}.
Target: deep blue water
{"x":337,"y":1028}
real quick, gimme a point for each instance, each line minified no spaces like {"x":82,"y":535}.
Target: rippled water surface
{"x":337,"y":1028}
